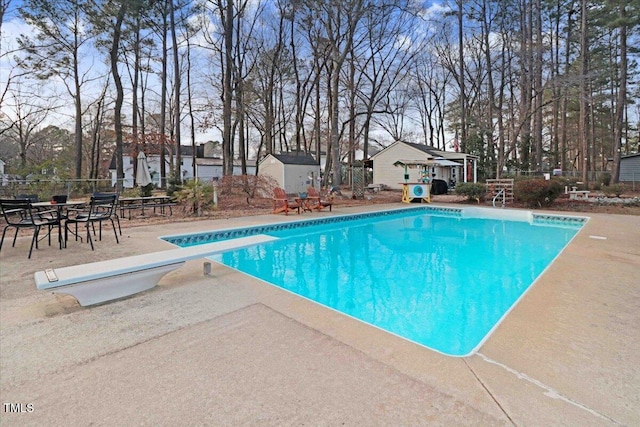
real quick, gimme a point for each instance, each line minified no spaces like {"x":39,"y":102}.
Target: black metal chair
{"x":114,"y":213}
{"x":101,"y":208}
{"x":19,"y":213}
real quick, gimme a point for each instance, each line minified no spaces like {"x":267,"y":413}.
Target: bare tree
{"x":24,"y":112}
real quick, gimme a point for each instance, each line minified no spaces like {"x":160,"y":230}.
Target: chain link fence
{"x":45,"y":189}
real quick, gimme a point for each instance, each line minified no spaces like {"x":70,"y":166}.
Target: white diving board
{"x":102,"y":281}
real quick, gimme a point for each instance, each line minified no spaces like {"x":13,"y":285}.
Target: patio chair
{"x":19,"y":213}
{"x":316,"y":200}
{"x":102,"y":207}
{"x":114,"y":212}
{"x":281,"y":202}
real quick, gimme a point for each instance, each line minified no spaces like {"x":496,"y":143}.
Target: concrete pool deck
{"x":227,"y":349}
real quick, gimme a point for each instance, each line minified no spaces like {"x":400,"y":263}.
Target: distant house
{"x":152,"y":152}
{"x":630,"y":168}
{"x":208,"y":168}
{"x":445,"y":165}
{"x":293,"y":172}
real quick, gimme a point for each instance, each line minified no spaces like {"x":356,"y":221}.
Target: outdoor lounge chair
{"x":281,"y":203}
{"x":19,"y":213}
{"x":316,"y":201}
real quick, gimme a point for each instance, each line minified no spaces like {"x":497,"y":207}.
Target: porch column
{"x":464,"y":170}
{"x":475,"y":170}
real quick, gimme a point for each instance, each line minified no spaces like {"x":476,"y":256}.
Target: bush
{"x":537,"y":192}
{"x":147,"y":190}
{"x":196,"y":195}
{"x":615,"y":189}
{"x":604,"y":179}
{"x":473,"y":191}
{"x":175,"y":183}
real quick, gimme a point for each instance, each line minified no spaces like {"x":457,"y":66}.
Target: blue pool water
{"x":440,"y":280}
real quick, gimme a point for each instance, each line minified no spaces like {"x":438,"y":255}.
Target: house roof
{"x":433,"y":152}
{"x":630,"y":155}
{"x":424,"y":148}
{"x":295,"y":159}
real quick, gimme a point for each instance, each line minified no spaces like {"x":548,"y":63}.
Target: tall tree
{"x":627,"y":17}
{"x":55,"y":49}
{"x":116,"y":33}
{"x":340,"y":21}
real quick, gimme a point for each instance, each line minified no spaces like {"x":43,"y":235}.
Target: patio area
{"x":227,"y":349}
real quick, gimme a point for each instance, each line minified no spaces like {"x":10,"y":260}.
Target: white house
{"x":293,"y":172}
{"x":445,"y":165}
{"x":211,"y":169}
{"x":207,"y":168}
{"x":153,"y":159}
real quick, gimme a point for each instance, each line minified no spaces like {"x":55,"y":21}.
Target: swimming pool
{"x":441,"y":277}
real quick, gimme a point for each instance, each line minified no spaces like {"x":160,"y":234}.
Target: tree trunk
{"x":463,"y":96}
{"x":227,"y":90}
{"x":163,"y":100}
{"x":177,"y":86}
{"x":583,"y":124}
{"x":622,"y":95}
{"x":117,"y":119}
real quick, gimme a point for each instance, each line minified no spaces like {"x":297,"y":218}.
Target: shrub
{"x":196,"y":195}
{"x":614,"y":189}
{"x":175,"y":183}
{"x":473,"y":191}
{"x":604,"y":179}
{"x":147,"y":190}
{"x":537,"y":192}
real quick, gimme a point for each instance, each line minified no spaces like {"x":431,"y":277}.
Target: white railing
{"x":500,"y":193}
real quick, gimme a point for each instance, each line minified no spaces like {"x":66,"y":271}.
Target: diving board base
{"x":105,"y":289}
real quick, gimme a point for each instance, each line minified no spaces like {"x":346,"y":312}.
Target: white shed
{"x":293,"y":172}
{"x":447,"y":166}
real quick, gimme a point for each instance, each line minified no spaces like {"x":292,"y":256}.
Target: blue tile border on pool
{"x":234,"y":233}
{"x":559,"y":220}
{"x":213,"y":236}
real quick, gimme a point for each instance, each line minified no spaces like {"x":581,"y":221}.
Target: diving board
{"x":102,"y":281}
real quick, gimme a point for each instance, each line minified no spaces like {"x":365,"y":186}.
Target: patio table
{"x":61,"y":209}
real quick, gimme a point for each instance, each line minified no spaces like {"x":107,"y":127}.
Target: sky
{"x":13,"y":26}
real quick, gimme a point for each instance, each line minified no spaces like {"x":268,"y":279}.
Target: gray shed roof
{"x":296,"y":159}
